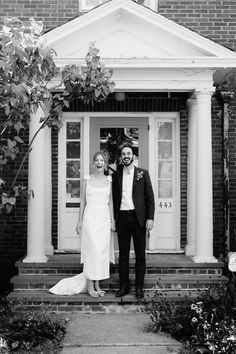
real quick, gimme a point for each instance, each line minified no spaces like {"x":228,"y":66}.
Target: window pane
{"x":73,"y":150}
{"x":73,"y":130}
{"x":73,"y":169}
{"x":165,"y":169}
{"x":165,"y":189}
{"x":165,"y":150}
{"x":73,"y":189}
{"x":112,"y":138}
{"x":164,"y":131}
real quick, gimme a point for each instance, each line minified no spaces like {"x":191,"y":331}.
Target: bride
{"x":95,"y":226}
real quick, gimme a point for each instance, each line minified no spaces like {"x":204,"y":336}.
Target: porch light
{"x":120,"y":96}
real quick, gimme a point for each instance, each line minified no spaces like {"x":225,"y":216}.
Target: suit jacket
{"x":143,"y":197}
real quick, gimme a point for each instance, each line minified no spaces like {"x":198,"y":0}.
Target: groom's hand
{"x":149,"y":225}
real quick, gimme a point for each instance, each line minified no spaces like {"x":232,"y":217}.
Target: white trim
{"x":173,"y":63}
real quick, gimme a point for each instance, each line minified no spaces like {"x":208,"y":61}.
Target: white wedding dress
{"x":97,"y":244}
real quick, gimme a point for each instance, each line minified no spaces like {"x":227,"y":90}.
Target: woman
{"x":95,"y":223}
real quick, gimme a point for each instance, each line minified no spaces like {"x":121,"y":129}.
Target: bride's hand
{"x":78,"y":229}
{"x":113,"y":226}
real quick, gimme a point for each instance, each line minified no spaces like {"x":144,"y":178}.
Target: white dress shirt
{"x":127,"y":189}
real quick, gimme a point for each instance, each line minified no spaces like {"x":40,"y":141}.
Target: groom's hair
{"x":126,"y":145}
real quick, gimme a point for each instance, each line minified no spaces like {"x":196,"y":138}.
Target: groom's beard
{"x":128,"y":162}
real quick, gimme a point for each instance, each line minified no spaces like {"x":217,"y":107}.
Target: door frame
{"x":84,"y":117}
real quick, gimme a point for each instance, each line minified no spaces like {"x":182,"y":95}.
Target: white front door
{"x":164,"y":162}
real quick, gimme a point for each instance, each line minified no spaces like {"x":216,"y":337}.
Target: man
{"x":134,"y":207}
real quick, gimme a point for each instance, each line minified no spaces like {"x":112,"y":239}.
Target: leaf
{"x":11,"y":144}
{"x":36,"y":25}
{"x":8,"y":208}
{"x":18,"y":126}
{"x":18,"y":139}
{"x":2,"y":181}
{"x":30,"y":193}
{"x":12,"y":200}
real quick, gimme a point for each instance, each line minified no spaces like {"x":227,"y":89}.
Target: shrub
{"x":29,"y":331}
{"x":206,"y":324}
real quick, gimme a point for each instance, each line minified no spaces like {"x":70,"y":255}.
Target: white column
{"x":48,"y":191}
{"x":36,"y":185}
{"x":204,"y":195}
{"x":191,"y":188}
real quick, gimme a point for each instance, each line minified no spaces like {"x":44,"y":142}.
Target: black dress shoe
{"x":122,"y":292}
{"x":139,"y":293}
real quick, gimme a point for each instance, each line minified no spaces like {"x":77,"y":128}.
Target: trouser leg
{"x":139,"y":239}
{"x":124,"y":239}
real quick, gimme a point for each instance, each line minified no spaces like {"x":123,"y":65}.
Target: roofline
{"x":170,"y":63}
{"x":152,"y":17}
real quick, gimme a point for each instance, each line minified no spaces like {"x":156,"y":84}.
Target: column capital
{"x":192,"y":101}
{"x":204,"y":91}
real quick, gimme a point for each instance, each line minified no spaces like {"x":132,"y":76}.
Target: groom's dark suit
{"x":133,"y":223}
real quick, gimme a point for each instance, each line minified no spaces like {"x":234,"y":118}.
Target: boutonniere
{"x":139,"y":175}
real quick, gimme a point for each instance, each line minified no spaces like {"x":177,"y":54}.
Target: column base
{"x":43,"y":259}
{"x":199,"y":259}
{"x":49,"y":250}
{"x":189,"y":251}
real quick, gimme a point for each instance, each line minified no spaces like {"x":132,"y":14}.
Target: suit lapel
{"x":135,"y":179}
{"x":120,"y":177}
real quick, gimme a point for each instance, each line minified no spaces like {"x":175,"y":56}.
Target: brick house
{"x":174,"y":65}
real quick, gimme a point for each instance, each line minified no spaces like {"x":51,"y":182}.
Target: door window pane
{"x":73,"y":169}
{"x":73,"y":150}
{"x":165,"y":189}
{"x":73,"y":130}
{"x":72,"y":163}
{"x":112,"y":138}
{"x":165,"y":159}
{"x":165,"y":169}
{"x":73,"y":188}
{"x":164,"y":131}
{"x":164,"y":150}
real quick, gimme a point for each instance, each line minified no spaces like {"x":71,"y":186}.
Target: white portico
{"x":148,"y":54}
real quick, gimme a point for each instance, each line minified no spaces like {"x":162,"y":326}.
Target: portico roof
{"x":133,"y":37}
{"x":129,"y":34}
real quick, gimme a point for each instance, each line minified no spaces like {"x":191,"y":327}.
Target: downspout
{"x":225,"y":97}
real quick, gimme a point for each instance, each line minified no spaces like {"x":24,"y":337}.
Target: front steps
{"x":173,"y":275}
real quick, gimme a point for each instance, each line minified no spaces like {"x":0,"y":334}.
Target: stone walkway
{"x":114,"y":333}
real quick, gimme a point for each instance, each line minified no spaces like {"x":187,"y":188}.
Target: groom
{"x":134,"y":207}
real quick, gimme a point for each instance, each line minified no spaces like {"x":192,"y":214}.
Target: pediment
{"x":124,"y":30}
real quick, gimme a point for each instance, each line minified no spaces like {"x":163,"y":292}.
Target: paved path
{"x":115,"y":333}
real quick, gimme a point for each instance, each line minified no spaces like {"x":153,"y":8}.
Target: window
{"x":151,"y":3}
{"x":87,"y":5}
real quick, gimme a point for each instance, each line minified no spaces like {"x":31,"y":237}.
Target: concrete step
{"x":36,"y":299}
{"x":71,"y":267}
{"x":34,"y":281}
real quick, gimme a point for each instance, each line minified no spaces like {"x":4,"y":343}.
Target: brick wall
{"x":215,"y":19}
{"x":53,"y":13}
